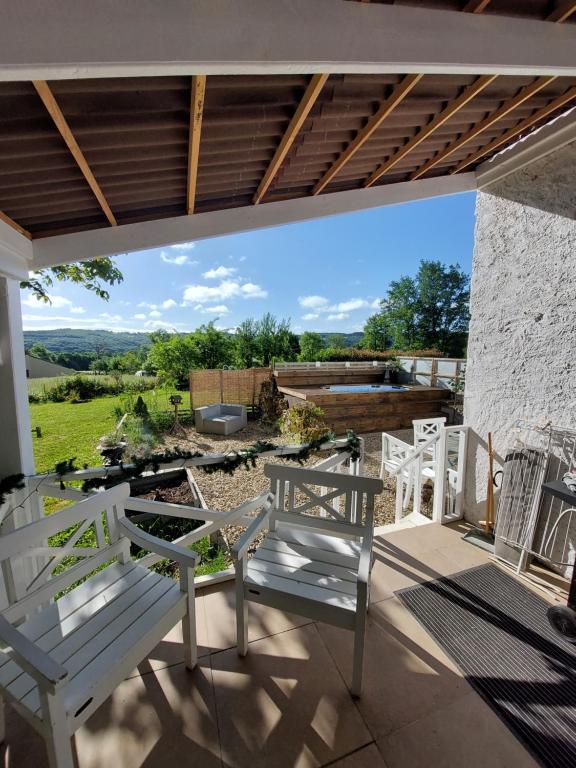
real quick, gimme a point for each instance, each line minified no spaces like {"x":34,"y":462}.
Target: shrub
{"x":141,"y":409}
{"x":304,"y":423}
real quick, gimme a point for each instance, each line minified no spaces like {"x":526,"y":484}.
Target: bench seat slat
{"x":304,"y":563}
{"x":302,"y":576}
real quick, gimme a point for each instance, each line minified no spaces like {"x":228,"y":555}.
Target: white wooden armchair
{"x":316,"y":557}
{"x":62,"y":659}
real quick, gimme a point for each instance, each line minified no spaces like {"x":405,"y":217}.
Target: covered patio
{"x":287,"y":703}
{"x":144,"y":125}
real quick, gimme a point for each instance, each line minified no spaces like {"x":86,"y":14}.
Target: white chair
{"x":314,"y":566}
{"x":64,"y":658}
{"x":394,"y":453}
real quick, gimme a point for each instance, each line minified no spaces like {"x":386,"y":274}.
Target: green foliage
{"x":93,"y":275}
{"x":376,"y":333}
{"x":141,"y":409}
{"x":246,"y":348}
{"x":353,"y":354}
{"x":303,"y":423}
{"x":174,"y":356}
{"x":274,"y":339}
{"x":428,"y":310}
{"x":78,"y":341}
{"x":311,"y":346}
{"x":78,"y":389}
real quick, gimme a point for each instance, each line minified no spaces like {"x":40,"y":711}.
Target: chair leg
{"x":2,"y":721}
{"x":58,"y":741}
{"x":358,"y":662}
{"x":241,"y":611}
{"x":189,"y":620}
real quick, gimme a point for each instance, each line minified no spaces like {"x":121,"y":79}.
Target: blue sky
{"x":325,"y":275}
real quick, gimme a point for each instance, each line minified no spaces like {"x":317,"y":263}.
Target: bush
{"x":78,"y":389}
{"x":141,"y":409}
{"x":304,"y":423}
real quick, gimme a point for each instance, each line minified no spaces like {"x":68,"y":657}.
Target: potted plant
{"x":396,"y":373}
{"x":111,"y":448}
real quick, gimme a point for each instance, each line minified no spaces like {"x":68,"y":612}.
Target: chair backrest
{"x":65,"y":547}
{"x":394,"y":451}
{"x":330,"y":501}
{"x":424,"y":429}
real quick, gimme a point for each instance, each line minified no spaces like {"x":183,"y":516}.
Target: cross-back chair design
{"x":62,"y":658}
{"x":316,"y":557}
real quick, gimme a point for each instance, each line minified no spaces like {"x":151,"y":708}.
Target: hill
{"x":346,"y":339}
{"x":79,"y":340}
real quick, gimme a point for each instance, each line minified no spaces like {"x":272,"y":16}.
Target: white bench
{"x":316,"y":557}
{"x":63,"y":659}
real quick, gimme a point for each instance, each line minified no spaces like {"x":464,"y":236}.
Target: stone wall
{"x":522,"y":348}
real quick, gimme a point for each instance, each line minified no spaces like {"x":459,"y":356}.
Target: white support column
{"x":16,"y":451}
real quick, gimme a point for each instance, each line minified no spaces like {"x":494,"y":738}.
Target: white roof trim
{"x":108,"y":241}
{"x":61,"y":39}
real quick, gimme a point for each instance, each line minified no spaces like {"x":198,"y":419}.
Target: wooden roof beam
{"x":198,"y":91}
{"x":455,"y":106}
{"x":475,"y":6}
{"x":562,"y":12}
{"x":524,"y":94}
{"x":45,"y":93}
{"x":388,"y":106}
{"x":14,"y":224}
{"x":307,"y":102}
{"x":558,"y":103}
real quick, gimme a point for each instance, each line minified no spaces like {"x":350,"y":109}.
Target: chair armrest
{"x":183,"y":556}
{"x":365,"y":561}
{"x":241,"y":547}
{"x":47,"y":672}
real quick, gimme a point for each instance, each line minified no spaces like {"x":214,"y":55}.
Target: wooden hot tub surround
{"x":362,"y":412}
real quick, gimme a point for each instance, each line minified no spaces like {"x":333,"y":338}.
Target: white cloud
{"x":183,"y":246}
{"x":313,"y":302}
{"x":227,"y":289}
{"x":147,"y":305}
{"x":57,"y":302}
{"x":178,"y":260}
{"x":350,"y":305}
{"x":160,"y":324}
{"x":155,"y":313}
{"x":242,"y":258}
{"x":252,"y":291}
{"x":140,"y":316}
{"x":376,"y":304}
{"x":77,"y":310}
{"x":169,"y":303}
{"x":219,"y":273}
{"x":338,"y":316}
{"x":219,"y":309}
{"x":310,"y":316}
{"x":112,"y":318}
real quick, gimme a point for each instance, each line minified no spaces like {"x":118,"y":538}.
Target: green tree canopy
{"x":93,"y":275}
{"x":376,"y":333}
{"x":246,"y":344}
{"x":311,"y":344}
{"x":425,"y":311}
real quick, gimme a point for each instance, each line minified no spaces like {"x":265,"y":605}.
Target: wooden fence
{"x":240,"y":387}
{"x":444,"y":372}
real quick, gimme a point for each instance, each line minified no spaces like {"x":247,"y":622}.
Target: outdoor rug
{"x":496,"y":631}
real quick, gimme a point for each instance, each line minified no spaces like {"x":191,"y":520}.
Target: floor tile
{"x":170,"y":650}
{"x":465,"y":733}
{"x":406,"y":674}
{"x":220,"y":611}
{"x":285,"y":704}
{"x":368,"y":757}
{"x":150,"y":721}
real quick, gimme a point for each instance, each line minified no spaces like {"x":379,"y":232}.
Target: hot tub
{"x":365,"y":388}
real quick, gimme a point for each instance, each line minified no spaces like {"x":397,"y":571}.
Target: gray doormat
{"x":496,"y":631}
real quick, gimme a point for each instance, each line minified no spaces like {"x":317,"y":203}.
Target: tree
{"x":336,"y":340}
{"x":174,"y":357}
{"x":39,"y":350}
{"x":274,"y":339}
{"x":427,"y":311}
{"x":311,"y":344}
{"x":376,"y":333}
{"x":93,"y":275}
{"x":246,"y":344}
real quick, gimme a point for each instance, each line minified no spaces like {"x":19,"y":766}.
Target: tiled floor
{"x":286,"y":703}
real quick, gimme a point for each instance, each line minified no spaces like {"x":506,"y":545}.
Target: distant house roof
{"x":36,"y":368}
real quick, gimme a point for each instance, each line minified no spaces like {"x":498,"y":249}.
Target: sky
{"x":324,"y":275}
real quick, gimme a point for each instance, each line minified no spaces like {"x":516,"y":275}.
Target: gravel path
{"x":223,"y":492}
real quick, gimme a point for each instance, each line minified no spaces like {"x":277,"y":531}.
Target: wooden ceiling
{"x":83,"y":154}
